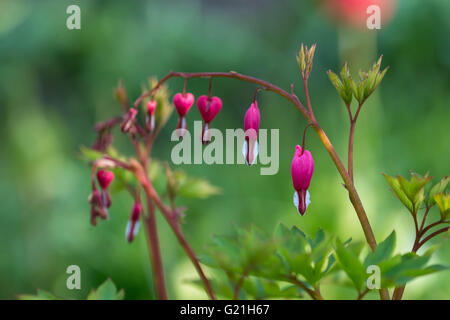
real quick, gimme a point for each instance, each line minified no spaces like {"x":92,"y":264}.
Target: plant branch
{"x":313,"y":294}
{"x":154,"y":250}
{"x":353,"y":195}
{"x":171,"y":217}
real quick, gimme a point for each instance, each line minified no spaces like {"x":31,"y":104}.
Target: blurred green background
{"x":56,"y":83}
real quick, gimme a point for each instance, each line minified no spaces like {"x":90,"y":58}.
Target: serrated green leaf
{"x":443,"y":203}
{"x":106,"y":291}
{"x":398,"y":191}
{"x":438,"y":188}
{"x":414,"y":187}
{"x":351,"y":266}
{"x":383,"y":251}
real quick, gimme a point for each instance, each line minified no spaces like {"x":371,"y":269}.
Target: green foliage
{"x":290,"y":264}
{"x":437,"y":188}
{"x":106,"y":291}
{"x":443,"y":203}
{"x":41,"y":295}
{"x":289,"y":256}
{"x":410,"y":192}
{"x":348,"y":88}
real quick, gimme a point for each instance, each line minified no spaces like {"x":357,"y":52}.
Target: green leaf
{"x":398,"y":191}
{"x":90,"y":155}
{"x":383,"y":251}
{"x":351,"y":265}
{"x":106,"y":291}
{"x":197,"y":188}
{"x":443,"y":203}
{"x":401,"y":269}
{"x":41,"y":295}
{"x":414,"y":186}
{"x":437,"y":188}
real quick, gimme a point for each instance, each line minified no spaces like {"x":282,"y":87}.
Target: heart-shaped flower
{"x":208,"y":107}
{"x":183,"y":103}
{"x":105,"y":177}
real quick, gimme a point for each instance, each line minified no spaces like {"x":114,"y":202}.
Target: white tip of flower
{"x":152,"y":123}
{"x":131,"y":230}
{"x":307,"y":200}
{"x":255,"y":152}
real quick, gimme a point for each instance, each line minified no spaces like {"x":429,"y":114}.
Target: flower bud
{"x":133,"y":224}
{"x":251,"y":127}
{"x":150,"y":118}
{"x":302,"y":170}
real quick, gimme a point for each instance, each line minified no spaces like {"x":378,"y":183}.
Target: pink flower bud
{"x":105,"y":178}
{"x":133,"y":224}
{"x":183,"y":103}
{"x":150,"y":117}
{"x":251,"y":127}
{"x":151,"y":106}
{"x":302,"y":170}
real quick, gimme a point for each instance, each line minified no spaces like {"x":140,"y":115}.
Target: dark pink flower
{"x":208,"y":108}
{"x":105,"y":178}
{"x":183,"y":102}
{"x":151,"y":106}
{"x":133,"y":224}
{"x":150,"y":117}
{"x":302,"y":170}
{"x":251,"y":128}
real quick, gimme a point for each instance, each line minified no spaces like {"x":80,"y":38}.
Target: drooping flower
{"x":97,"y":207}
{"x":208,"y":107}
{"x":104,"y":178}
{"x":251,"y":126}
{"x":128,"y":120}
{"x":133,"y":224}
{"x":150,"y":117}
{"x":302,"y":170}
{"x":183,"y":102}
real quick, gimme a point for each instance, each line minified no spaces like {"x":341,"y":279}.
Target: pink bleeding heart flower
{"x":105,"y":178}
{"x":150,"y":118}
{"x":133,"y":224}
{"x":208,"y":108}
{"x":183,"y":102}
{"x":251,"y":126}
{"x":302,"y":170}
